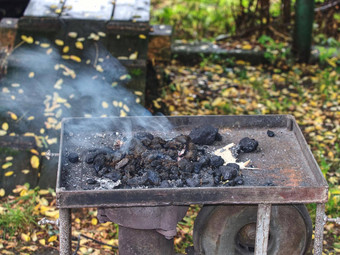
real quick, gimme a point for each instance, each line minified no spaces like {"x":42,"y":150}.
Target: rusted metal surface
{"x":232,"y":228}
{"x":65,"y":231}
{"x":262,"y":229}
{"x":320,"y":222}
{"x":138,"y":241}
{"x":163,"y":219}
{"x":284,"y":160}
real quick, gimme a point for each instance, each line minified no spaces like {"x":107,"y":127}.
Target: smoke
{"x":44,"y":85}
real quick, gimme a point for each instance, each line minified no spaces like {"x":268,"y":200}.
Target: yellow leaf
{"x":65,"y":56}
{"x":9,"y":158}
{"x":30,"y":118}
{"x":247,"y":47}
{"x":7,"y":165}
{"x":42,"y":241}
{"x":72,"y":34}
{"x":3,"y":132}
{"x":218,"y":101}
{"x":2,"y":192}
{"x":34,"y":237}
{"x":94,"y":221}
{"x":25,"y":237}
{"x":102,"y":34}
{"x":141,"y":36}
{"x":43,"y":192}
{"x":105,"y":105}
{"x":138,"y":93}
{"x":52,"y":239}
{"x":25,"y":171}
{"x":99,"y":68}
{"x":240,"y":62}
{"x":23,"y":192}
{"x":75,"y":58}
{"x":58,"y":84}
{"x":31,"y":75}
{"x":79,"y":45}
{"x":27,"y":39}
{"x":35,"y":161}
{"x":9,"y":173}
{"x":156,"y":104}
{"x":133,"y":56}
{"x":34,"y":151}
{"x":59,"y":42}
{"x":123,"y":77}
{"x":66,"y":49}
{"x":44,"y":45}
{"x":122,"y":113}
{"x":4,"y":126}
{"x":13,"y":115}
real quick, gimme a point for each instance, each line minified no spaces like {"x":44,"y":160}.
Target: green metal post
{"x":304,"y":16}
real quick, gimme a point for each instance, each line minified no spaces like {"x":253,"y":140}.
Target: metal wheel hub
{"x":231,"y":229}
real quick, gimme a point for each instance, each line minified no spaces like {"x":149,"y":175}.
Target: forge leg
{"x":138,"y":241}
{"x":65,"y":228}
{"x":262,"y":229}
{"x":319,"y":226}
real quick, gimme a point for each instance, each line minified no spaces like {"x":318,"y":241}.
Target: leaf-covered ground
{"x":310,"y":93}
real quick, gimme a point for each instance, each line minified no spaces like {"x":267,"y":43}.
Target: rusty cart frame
{"x":304,"y":185}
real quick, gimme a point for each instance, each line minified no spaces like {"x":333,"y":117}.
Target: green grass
{"x":17,"y":215}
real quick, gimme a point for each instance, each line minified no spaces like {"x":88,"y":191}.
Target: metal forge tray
{"x":284,"y":160}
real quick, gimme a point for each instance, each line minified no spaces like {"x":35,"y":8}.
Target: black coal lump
{"x":194,"y":181}
{"x":73,"y":157}
{"x":153,"y":177}
{"x":248,"y":145}
{"x":164,"y":184}
{"x":204,"y":135}
{"x":197,"y":167}
{"x":229,"y":172}
{"x":238,"y":180}
{"x":114,"y":176}
{"x":91,"y":181}
{"x":99,"y":162}
{"x":185,"y":166}
{"x":270,"y":133}
{"x":207,"y":180}
{"x":216,"y":161}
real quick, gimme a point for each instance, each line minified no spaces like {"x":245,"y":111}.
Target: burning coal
{"x":146,"y":160}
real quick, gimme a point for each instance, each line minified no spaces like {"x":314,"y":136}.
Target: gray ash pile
{"x":145,"y":160}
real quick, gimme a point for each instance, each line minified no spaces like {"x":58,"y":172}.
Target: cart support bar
{"x":262,"y":229}
{"x":65,"y":231}
{"x":320,"y":221}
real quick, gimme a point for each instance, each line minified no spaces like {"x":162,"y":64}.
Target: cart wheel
{"x":231,"y":229}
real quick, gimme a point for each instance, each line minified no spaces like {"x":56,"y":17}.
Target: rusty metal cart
{"x":285,"y":161}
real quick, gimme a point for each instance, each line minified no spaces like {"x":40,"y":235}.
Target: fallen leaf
{"x":4,"y":126}
{"x":94,"y":221}
{"x":7,"y":165}
{"x":35,"y":161}
{"x":79,"y":45}
{"x":25,"y":237}
{"x":52,"y":239}
{"x":59,"y":42}
{"x":9,"y":173}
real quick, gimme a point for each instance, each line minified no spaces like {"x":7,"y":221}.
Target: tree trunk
{"x":264,"y":11}
{"x":286,"y":11}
